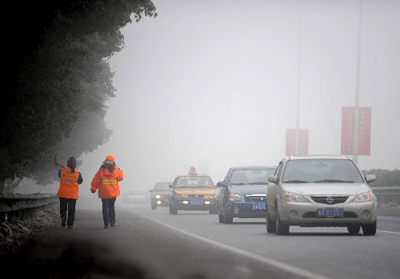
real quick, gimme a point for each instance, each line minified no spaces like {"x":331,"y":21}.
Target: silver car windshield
{"x":251,"y":176}
{"x":321,"y":171}
{"x":194,"y":181}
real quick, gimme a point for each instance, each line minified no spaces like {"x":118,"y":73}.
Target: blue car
{"x":242,"y":194}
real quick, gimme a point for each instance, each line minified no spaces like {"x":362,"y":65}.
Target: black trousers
{"x":108,"y":210}
{"x":67,"y":204}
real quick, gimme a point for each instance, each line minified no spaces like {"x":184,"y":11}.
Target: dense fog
{"x":214,"y":84}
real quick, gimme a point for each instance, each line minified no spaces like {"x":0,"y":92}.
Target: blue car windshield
{"x":321,"y":171}
{"x":251,"y":176}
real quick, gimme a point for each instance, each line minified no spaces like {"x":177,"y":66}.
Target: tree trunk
{"x":2,"y":185}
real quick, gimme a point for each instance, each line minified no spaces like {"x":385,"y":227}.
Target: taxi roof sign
{"x":192,"y":171}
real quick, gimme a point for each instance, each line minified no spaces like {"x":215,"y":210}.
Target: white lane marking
{"x":388,"y":232}
{"x":283,"y":266}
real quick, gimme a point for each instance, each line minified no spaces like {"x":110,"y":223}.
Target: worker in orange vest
{"x":106,"y":181}
{"x":70,"y":178}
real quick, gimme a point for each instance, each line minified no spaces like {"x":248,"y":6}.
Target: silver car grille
{"x":330,"y":199}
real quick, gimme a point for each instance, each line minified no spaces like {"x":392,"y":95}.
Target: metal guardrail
{"x":387,"y":195}
{"x":18,"y":206}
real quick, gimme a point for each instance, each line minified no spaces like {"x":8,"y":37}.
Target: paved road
{"x":153,"y":244}
{"x":330,"y":252}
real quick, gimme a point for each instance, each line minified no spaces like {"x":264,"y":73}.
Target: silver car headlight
{"x":293,"y":197}
{"x":236,"y":197}
{"x":364,"y":197}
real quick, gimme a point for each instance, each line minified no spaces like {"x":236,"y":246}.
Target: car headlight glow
{"x":293,"y":197}
{"x":158,"y":196}
{"x":236,"y":197}
{"x":364,"y":197}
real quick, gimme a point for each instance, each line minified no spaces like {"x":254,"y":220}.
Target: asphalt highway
{"x":154,"y":244}
{"x":329,"y":252}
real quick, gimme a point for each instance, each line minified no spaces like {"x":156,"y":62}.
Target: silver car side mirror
{"x":272,"y":179}
{"x":370,"y":178}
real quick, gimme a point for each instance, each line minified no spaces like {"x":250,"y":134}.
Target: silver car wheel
{"x":281,"y":229}
{"x":271,"y":225}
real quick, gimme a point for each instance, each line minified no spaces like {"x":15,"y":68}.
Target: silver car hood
{"x":310,"y":189}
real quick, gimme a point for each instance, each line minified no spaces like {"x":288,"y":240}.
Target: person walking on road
{"x":70,"y":178}
{"x":106,"y":181}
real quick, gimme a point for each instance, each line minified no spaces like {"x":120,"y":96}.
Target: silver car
{"x":320,"y":191}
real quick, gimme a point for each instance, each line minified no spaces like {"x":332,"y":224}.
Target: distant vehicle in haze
{"x":320,"y":191}
{"x":136,"y":197}
{"x":193,"y":191}
{"x":160,"y":194}
{"x":242,"y":193}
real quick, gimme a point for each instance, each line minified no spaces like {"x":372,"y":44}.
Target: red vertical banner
{"x":364,"y":131}
{"x":291,"y":142}
{"x":303,"y":142}
{"x":347,"y":130}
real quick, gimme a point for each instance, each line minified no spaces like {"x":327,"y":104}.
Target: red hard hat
{"x":110,"y":158}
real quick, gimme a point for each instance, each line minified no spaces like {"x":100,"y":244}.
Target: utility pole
{"x":297,"y":140}
{"x":357,"y":93}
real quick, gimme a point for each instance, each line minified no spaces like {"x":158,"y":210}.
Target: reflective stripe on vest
{"x":109,"y":181}
{"x":68,"y":180}
{"x":68,"y":176}
{"x":69,"y":187}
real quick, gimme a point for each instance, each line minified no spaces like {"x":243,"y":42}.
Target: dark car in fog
{"x":160,"y":195}
{"x":242,"y":194}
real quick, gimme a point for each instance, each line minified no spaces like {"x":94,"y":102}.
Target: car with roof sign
{"x":193,"y":191}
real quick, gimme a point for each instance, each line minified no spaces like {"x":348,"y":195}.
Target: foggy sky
{"x":213,"y":84}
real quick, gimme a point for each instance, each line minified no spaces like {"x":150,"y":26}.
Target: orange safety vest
{"x":69,"y":187}
{"x":107,"y":183}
